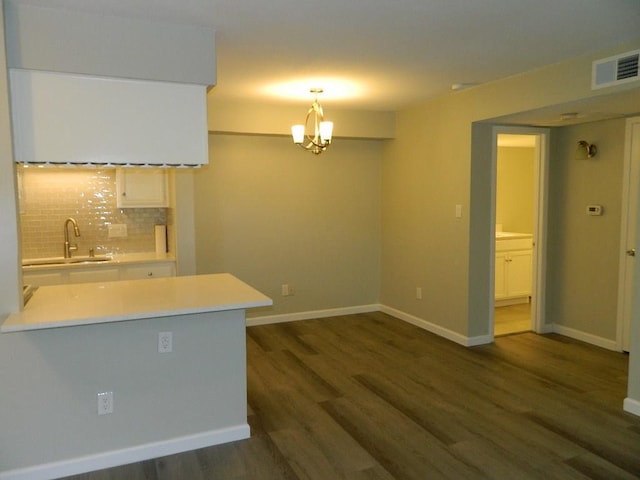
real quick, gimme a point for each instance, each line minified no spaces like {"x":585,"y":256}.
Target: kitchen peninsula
{"x":74,"y":341}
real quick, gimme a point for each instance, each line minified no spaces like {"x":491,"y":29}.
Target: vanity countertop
{"x":91,"y":303}
{"x":512,"y":235}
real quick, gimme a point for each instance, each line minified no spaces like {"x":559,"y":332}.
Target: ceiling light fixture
{"x":322,"y":130}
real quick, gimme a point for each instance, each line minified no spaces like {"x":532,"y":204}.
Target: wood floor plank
{"x":369,"y":397}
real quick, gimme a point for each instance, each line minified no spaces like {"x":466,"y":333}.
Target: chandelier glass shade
{"x":322,"y":130}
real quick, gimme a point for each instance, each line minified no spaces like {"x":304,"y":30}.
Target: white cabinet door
{"x":520,"y":274}
{"x":142,"y":188}
{"x":42,"y":279}
{"x":152,"y":270}
{"x":94,"y":275}
{"x":513,"y":274}
{"x":500,"y":276}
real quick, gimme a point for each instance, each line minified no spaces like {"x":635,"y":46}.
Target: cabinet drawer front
{"x":94,"y":275}
{"x":514,"y":244}
{"x":42,"y":279}
{"x":149,"y":271}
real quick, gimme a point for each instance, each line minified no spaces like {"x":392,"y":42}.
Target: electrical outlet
{"x":287,"y":290}
{"x":117,"y":230}
{"x":165,"y":342}
{"x":105,"y":403}
{"x":419,"y":293}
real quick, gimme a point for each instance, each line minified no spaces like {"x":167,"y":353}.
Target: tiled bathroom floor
{"x":512,"y":319}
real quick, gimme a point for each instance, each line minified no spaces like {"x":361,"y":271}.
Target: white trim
{"x":632,"y":406}
{"x":511,"y":301}
{"x":294,"y":317}
{"x":406,"y":317}
{"x":626,"y":270}
{"x":88,"y":463}
{"x":437,"y":329}
{"x":586,"y":337}
{"x":542,"y":153}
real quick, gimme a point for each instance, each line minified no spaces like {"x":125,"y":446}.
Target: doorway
{"x":519,"y":217}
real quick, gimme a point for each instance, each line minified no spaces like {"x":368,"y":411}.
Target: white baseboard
{"x":431,"y":327}
{"x":586,"y":337}
{"x":511,"y":301}
{"x":294,"y":317}
{"x":632,"y":406}
{"x":437,"y":329}
{"x":89,"y":463}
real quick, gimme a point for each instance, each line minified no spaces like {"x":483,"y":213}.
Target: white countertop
{"x":49,"y":263}
{"x":512,"y":235}
{"x":91,"y":303}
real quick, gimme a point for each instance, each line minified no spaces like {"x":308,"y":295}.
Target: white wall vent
{"x":622,"y":68}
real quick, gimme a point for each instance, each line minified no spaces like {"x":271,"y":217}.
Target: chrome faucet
{"x":68,"y":248}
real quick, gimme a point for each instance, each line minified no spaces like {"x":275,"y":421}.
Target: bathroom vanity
{"x":513,"y":268}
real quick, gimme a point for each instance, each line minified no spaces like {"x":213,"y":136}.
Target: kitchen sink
{"x":32,"y":262}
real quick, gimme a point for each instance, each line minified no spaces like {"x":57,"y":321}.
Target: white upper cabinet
{"x":142,"y":188}
{"x":61,"y":118}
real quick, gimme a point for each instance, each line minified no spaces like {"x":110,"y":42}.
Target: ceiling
{"x":381,"y":54}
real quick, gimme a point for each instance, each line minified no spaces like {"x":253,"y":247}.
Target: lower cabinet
{"x":93,"y":275}
{"x":149,"y":271}
{"x":513,"y":274}
{"x":100,"y":273}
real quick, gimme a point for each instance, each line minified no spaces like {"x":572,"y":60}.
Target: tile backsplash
{"x":48,"y":196}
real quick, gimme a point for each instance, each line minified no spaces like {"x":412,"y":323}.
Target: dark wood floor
{"x":370,"y":397}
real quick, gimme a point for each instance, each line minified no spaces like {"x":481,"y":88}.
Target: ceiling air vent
{"x":615,"y":70}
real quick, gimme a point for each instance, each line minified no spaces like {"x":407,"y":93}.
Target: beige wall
{"x":583,"y":252}
{"x":425,"y":175}
{"x":272,"y":214}
{"x":514,"y":189}
{"x":430,"y":166}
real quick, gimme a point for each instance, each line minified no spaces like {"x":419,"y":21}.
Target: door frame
{"x":541,"y":196}
{"x":627,"y":274}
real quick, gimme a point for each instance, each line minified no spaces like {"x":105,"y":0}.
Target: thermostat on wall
{"x":594,"y":210}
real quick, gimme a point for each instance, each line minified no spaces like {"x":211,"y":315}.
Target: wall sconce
{"x":585,"y":150}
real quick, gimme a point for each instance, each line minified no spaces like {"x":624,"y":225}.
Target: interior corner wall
{"x":431,"y":166}
{"x":426,"y":173}
{"x":583,"y":250}
{"x":271,"y":213}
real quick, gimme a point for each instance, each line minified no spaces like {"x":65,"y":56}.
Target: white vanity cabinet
{"x":142,"y":188}
{"x":513,"y":270}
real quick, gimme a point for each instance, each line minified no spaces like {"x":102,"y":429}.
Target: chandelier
{"x":321,"y":130}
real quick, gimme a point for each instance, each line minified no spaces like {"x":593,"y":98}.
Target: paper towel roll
{"x":161,"y":239}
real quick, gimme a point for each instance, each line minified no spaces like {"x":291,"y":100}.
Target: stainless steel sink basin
{"x":32,"y":262}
